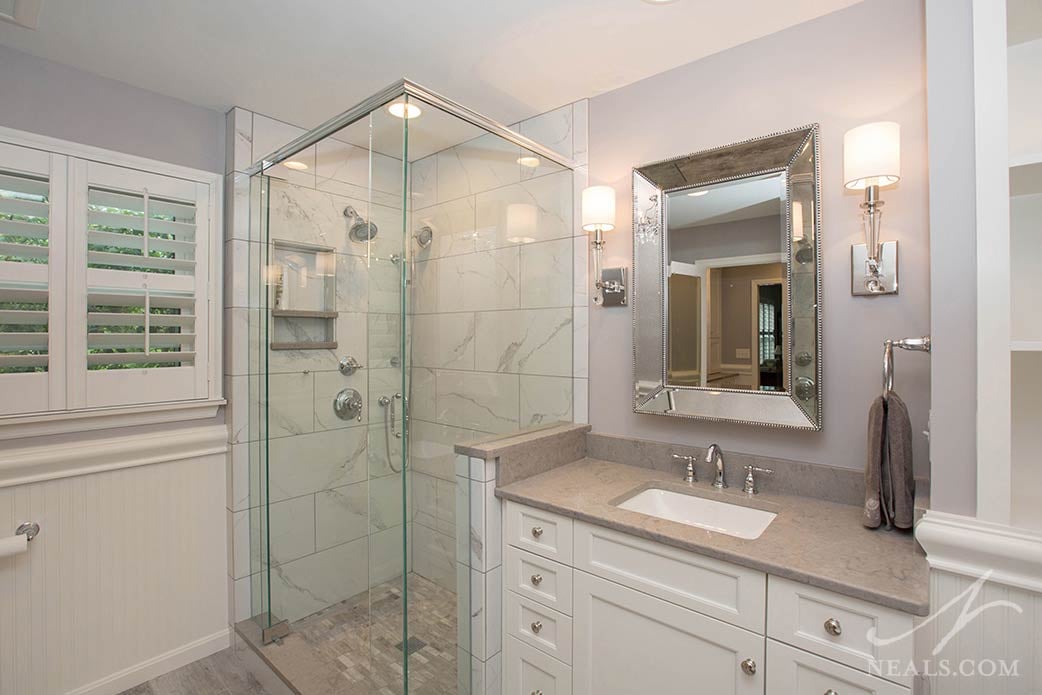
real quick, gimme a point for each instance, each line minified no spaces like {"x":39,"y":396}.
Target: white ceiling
{"x":307,"y":60}
{"x":728,"y":202}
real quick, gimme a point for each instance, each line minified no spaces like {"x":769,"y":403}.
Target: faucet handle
{"x":690,"y":472}
{"x":750,"y":482}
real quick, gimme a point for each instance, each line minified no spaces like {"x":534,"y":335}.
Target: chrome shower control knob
{"x":749,"y":667}
{"x":536,"y":627}
{"x":537,"y":579}
{"x":830,"y":691}
{"x":833,"y":627}
{"x":537,"y":531}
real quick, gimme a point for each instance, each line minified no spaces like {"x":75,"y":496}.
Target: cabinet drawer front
{"x":719,"y":589}
{"x":542,"y":580}
{"x":629,"y":643}
{"x":528,"y":671}
{"x":838,"y":627}
{"x":539,"y":532}
{"x":539,"y":626}
{"x":792,"y":671}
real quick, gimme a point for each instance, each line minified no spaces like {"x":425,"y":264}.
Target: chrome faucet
{"x":716,"y":454}
{"x":689,"y":475}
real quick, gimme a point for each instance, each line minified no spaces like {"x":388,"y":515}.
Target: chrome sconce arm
{"x":598,"y":216}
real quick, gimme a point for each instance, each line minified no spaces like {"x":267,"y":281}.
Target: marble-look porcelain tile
{"x":327,"y":385}
{"x":315,"y":582}
{"x":486,"y":525}
{"x":238,"y":139}
{"x":546,"y":274}
{"x":445,"y":511}
{"x":444,"y":341}
{"x":243,"y":408}
{"x":423,"y":174}
{"x":304,"y":215}
{"x":239,"y":543}
{"x":425,"y":500}
{"x":290,"y":404}
{"x":238,"y":189}
{"x":237,"y":271}
{"x":352,"y":283}
{"x":580,"y":400}
{"x":478,"y":401}
{"x":387,"y":554}
{"x":477,"y":165}
{"x":424,"y":297}
{"x":538,"y":209}
{"x":527,"y":341}
{"x":463,"y":521}
{"x":386,"y":503}
{"x":422,"y":405}
{"x":350,"y":335}
{"x":385,"y":286}
{"x":483,"y":281}
{"x":545,"y":400}
{"x":384,"y":340}
{"x":452,"y":226}
{"x":433,"y":556}
{"x":320,"y":461}
{"x":481,"y":469}
{"x":581,"y":341}
{"x":241,"y":341}
{"x":553,"y":130}
{"x":477,"y":620}
{"x":486,"y":676}
{"x":291,"y":529}
{"x":341,"y":515}
{"x":379,"y":459}
{"x":466,"y":602}
{"x":268,"y":136}
{"x":346,"y":163}
{"x":431,"y":447}
{"x":243,"y":475}
{"x":581,"y":132}
{"x":581,"y":271}
{"x":476,"y":537}
{"x":241,"y":600}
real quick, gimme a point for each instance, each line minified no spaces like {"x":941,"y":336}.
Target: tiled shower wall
{"x":500,"y":343}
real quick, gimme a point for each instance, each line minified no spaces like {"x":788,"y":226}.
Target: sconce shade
{"x":598,"y":209}
{"x":872,"y":155}
{"x":797,"y":221}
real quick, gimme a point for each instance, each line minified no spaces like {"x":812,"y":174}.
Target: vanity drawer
{"x":528,"y":671}
{"x":539,"y":532}
{"x":539,"y":626}
{"x":542,"y":580}
{"x":721,"y":590}
{"x":792,"y":671}
{"x":837,"y":627}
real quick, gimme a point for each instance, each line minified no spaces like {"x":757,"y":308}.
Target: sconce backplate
{"x":887,"y":270}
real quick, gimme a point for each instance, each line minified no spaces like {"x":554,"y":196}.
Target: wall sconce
{"x":598,"y":215}
{"x":872,"y":159}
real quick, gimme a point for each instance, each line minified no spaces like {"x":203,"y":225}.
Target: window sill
{"x":72,"y":421}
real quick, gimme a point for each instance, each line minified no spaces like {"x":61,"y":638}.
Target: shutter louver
{"x":24,"y":251}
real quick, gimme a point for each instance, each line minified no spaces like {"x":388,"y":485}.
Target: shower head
{"x":357,"y":228}
{"x":424,"y":236}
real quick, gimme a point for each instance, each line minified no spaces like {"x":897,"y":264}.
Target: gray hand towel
{"x":872,"y":516}
{"x":901,"y":487}
{"x":889,"y":480}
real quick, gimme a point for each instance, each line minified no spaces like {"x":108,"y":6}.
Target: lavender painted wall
{"x":814,"y":72}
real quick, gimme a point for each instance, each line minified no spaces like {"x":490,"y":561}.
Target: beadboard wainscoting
{"x":984,"y":633}
{"x":126,"y":579}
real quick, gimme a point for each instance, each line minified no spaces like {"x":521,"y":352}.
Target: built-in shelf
{"x":323,"y":345}
{"x":1026,"y":346}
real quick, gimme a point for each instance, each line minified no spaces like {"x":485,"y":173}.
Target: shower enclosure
{"x":414,"y":276}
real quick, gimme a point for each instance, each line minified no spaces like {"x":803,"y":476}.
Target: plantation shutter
{"x":32,"y":279}
{"x":142,"y":253}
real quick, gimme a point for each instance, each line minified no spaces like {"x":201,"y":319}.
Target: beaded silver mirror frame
{"x":794,"y":155}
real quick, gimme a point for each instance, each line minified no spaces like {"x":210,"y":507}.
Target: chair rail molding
{"x":35,"y":463}
{"x":973,"y":548}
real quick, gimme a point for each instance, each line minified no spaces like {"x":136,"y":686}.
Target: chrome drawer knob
{"x":537,"y":531}
{"x":537,"y":579}
{"x":830,"y":691}
{"x":536,"y":627}
{"x":537,"y":692}
{"x":833,"y":627}
{"x":749,"y":666}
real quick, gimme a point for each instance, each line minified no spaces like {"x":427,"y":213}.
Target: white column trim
{"x":972,"y":547}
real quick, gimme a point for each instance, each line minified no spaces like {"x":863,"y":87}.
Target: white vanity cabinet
{"x":593,"y":611}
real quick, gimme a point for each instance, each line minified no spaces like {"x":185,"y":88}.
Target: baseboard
{"x":971,"y":547}
{"x":157,"y":666}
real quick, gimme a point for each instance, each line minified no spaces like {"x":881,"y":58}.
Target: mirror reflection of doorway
{"x":769,"y":335}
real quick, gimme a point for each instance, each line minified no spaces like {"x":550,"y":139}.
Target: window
{"x":110,"y":304}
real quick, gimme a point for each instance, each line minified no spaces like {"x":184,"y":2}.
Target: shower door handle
{"x":397,"y":434}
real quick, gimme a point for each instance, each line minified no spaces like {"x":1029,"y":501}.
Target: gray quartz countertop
{"x":812,"y":541}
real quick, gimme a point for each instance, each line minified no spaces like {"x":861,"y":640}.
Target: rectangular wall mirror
{"x":727,"y":284}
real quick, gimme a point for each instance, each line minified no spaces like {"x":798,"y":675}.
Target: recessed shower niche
{"x":303,"y":297}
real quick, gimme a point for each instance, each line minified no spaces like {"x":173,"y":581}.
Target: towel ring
{"x":917,"y":344}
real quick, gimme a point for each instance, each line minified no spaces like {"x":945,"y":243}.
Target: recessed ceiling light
{"x":295,"y":165}
{"x":529,"y":161}
{"x":401,"y":109}
{"x":698,"y":194}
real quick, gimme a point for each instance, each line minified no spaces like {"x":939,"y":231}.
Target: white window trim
{"x":68,"y":421}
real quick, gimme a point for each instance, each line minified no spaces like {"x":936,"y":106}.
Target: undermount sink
{"x":712,"y":515}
